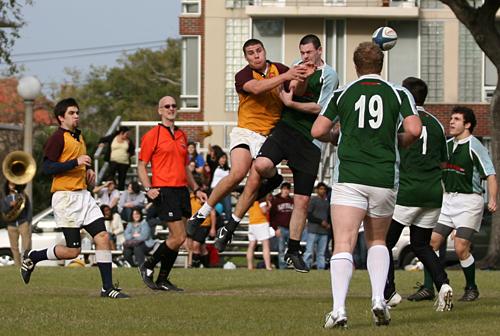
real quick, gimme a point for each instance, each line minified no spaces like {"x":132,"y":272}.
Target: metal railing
{"x":138,"y":128}
{"x":97,"y":155}
{"x":318,"y":3}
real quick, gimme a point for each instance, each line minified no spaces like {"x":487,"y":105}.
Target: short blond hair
{"x":368,"y":58}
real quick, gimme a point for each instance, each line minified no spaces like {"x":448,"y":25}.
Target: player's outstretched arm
{"x":492,"y":192}
{"x":322,"y":129}
{"x":287,"y":99}
{"x":413,"y":128}
{"x":259,"y":86}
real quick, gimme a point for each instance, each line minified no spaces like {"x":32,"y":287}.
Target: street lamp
{"x":29,"y":88}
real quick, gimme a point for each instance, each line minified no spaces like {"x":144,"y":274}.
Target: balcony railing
{"x":345,"y":3}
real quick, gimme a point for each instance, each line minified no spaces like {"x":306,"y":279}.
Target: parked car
{"x":45,"y":234}
{"x":403,"y":254}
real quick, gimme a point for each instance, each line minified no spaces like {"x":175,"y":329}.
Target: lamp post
{"x":29,"y":88}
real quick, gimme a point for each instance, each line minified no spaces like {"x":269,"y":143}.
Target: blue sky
{"x":57,"y":25}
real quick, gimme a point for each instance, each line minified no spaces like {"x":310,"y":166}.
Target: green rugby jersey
{"x":370,"y":111}
{"x":320,"y":87}
{"x":420,"y":168}
{"x":469,"y":162}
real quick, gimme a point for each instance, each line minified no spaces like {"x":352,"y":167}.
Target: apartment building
{"x":432,"y":45}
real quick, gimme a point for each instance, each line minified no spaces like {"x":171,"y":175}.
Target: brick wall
{"x":189,"y":25}
{"x":195,"y":25}
{"x":482,"y":112}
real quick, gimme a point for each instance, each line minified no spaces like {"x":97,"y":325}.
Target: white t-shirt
{"x":219,"y":174}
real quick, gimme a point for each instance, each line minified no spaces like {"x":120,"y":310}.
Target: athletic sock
{"x":377,"y":262}
{"x":232,"y":225}
{"x":151,"y":262}
{"x":167,"y":262}
{"x":293,"y":245}
{"x":205,"y":210}
{"x":341,"y":268}
{"x":428,"y":282}
{"x":44,"y":254}
{"x":103,"y":259}
{"x":469,"y":268}
{"x":205,"y":260}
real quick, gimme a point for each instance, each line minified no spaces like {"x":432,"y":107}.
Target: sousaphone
{"x":19,"y":168}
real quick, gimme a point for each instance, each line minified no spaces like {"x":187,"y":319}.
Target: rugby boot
{"x":336,"y":320}
{"x":470,"y":294}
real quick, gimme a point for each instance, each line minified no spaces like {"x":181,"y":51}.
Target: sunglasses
{"x":170,"y":106}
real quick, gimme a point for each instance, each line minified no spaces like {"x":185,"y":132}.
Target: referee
{"x":165,"y":147}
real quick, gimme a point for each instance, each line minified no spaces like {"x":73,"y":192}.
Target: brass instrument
{"x":19,"y":168}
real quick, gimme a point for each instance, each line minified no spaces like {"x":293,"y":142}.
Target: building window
{"x":334,"y":47}
{"x":490,"y":78}
{"x":239,"y":3}
{"x":470,"y":61}
{"x":191,"y":7}
{"x":270,"y":32}
{"x":237,"y":32}
{"x":402,"y":61}
{"x":431,"y":58}
{"x":431,"y":4}
{"x":190,"y":96}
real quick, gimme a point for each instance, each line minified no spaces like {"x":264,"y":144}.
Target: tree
{"x":480,"y":21}
{"x":11,"y":21}
{"x":131,"y":89}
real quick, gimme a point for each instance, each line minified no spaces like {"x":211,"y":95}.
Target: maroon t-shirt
{"x":281,"y":211}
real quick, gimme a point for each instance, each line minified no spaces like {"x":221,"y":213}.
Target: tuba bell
{"x":19,"y":168}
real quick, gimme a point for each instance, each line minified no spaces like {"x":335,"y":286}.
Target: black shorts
{"x":201,"y":234}
{"x":286,"y":143}
{"x":172,"y":204}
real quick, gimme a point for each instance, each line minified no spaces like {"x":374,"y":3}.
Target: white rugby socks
{"x":377,"y":263}
{"x":341,"y":268}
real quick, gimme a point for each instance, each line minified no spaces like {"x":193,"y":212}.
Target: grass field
{"x":63,"y":301}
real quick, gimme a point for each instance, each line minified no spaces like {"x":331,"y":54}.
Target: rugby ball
{"x":385,"y":38}
{"x":6,"y":261}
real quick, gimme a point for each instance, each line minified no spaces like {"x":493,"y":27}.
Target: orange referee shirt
{"x":167,"y":153}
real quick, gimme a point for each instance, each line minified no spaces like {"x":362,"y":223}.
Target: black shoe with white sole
{"x":194,"y":223}
{"x":294,"y":258}
{"x":147,"y":276}
{"x":27,"y":267}
{"x":166,"y":285}
{"x":114,"y":293}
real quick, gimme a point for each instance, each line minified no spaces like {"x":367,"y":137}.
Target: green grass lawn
{"x":64,"y":301}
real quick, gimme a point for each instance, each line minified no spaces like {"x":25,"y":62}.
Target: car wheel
{"x":6,"y":257}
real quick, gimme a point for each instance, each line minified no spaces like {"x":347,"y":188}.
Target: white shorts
{"x":462,"y":210}
{"x":378,"y":202}
{"x":243,"y":136}
{"x":260,"y":232}
{"x":74,"y":209}
{"x":425,"y":218}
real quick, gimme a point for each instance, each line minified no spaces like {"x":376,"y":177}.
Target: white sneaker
{"x":444,"y":301}
{"x":336,"y":319}
{"x":380,"y":312}
{"x":394,"y":300}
